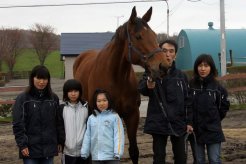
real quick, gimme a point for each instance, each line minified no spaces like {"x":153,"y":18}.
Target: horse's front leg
{"x":131,"y":122}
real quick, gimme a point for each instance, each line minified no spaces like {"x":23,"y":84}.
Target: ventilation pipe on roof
{"x":210,"y":25}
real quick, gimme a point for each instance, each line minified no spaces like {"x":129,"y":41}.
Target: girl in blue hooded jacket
{"x":104,"y":136}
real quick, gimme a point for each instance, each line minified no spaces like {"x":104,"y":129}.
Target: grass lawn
{"x":6,"y":119}
{"x":238,"y":106}
{"x":28,"y":59}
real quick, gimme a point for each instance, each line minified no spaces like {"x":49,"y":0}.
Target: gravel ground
{"x":233,"y":150}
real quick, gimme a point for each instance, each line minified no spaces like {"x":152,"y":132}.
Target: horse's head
{"x":143,"y":48}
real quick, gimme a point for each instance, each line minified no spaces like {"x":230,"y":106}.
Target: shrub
{"x":5,"y":110}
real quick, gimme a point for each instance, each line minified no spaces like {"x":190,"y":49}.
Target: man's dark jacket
{"x":175,"y":92}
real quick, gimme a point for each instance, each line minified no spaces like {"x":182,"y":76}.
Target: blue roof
{"x":73,"y":44}
{"x":198,"y":41}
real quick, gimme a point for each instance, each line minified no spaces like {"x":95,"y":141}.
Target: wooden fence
{"x":13,"y":89}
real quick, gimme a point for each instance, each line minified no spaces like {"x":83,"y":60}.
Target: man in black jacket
{"x":169,"y":109}
{"x":35,"y":119}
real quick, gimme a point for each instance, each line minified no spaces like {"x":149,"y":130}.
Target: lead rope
{"x":186,"y":146}
{"x":161,"y":104}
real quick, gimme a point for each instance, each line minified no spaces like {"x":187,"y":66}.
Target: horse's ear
{"x":133,"y":15}
{"x":147,"y":15}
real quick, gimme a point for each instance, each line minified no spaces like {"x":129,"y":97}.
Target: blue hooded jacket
{"x":104,"y":136}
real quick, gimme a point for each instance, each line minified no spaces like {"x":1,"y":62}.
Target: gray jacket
{"x":74,"y":118}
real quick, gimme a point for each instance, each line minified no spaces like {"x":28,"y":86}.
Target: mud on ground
{"x":233,"y":150}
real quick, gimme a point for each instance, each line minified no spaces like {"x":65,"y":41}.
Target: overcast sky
{"x":102,"y":18}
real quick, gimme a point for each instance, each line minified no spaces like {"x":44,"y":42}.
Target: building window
{"x":181,"y":42}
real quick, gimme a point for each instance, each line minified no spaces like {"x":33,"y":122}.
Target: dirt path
{"x":233,"y":150}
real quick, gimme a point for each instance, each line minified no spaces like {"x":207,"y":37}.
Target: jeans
{"x":159,"y":149}
{"x":48,"y":160}
{"x":213,"y":151}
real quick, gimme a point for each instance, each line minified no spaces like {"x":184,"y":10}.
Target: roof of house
{"x":198,"y":41}
{"x":73,"y":44}
{"x":235,"y":38}
{"x":209,"y":41}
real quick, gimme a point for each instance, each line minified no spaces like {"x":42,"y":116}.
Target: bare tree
{"x":43,"y":40}
{"x":1,"y":54}
{"x":2,"y":46}
{"x":11,"y":46}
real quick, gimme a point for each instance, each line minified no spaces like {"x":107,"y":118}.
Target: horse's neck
{"x":114,"y":58}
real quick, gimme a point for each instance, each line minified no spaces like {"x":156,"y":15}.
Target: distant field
{"x":28,"y":59}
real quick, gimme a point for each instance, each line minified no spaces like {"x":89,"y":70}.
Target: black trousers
{"x":74,"y":160}
{"x":159,"y":149}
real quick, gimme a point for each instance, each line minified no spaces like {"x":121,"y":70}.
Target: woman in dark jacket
{"x":35,"y":121}
{"x":210,"y":105}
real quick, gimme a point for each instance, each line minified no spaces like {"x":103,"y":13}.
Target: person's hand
{"x":150,"y":83}
{"x":117,"y":157}
{"x":25,"y":152}
{"x":189,"y":129}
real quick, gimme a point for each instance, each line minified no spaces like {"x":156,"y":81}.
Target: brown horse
{"x":111,"y":68}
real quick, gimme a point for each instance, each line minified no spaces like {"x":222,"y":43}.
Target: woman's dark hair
{"x":169,"y":41}
{"x":207,"y":59}
{"x":69,"y":85}
{"x":107,"y":95}
{"x":40,"y":72}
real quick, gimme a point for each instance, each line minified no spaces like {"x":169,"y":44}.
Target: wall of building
{"x":68,"y":61}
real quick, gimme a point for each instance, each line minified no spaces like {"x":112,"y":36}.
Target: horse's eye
{"x":138,"y":37}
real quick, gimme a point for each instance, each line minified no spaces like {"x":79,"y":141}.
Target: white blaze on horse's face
{"x":143,"y":45}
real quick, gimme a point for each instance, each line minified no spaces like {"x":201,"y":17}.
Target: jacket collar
{"x":172,"y":68}
{"x":103,"y":112}
{"x":39,"y":94}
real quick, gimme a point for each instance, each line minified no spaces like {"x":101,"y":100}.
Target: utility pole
{"x":222,"y":38}
{"x":167,"y":18}
{"x":118,"y":18}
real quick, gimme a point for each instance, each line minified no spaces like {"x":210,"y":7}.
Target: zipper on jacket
{"x":181,"y":85}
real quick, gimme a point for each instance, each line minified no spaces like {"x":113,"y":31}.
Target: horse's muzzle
{"x":157,"y":74}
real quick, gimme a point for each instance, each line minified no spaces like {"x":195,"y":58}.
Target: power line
{"x":194,"y":0}
{"x":76,"y":4}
